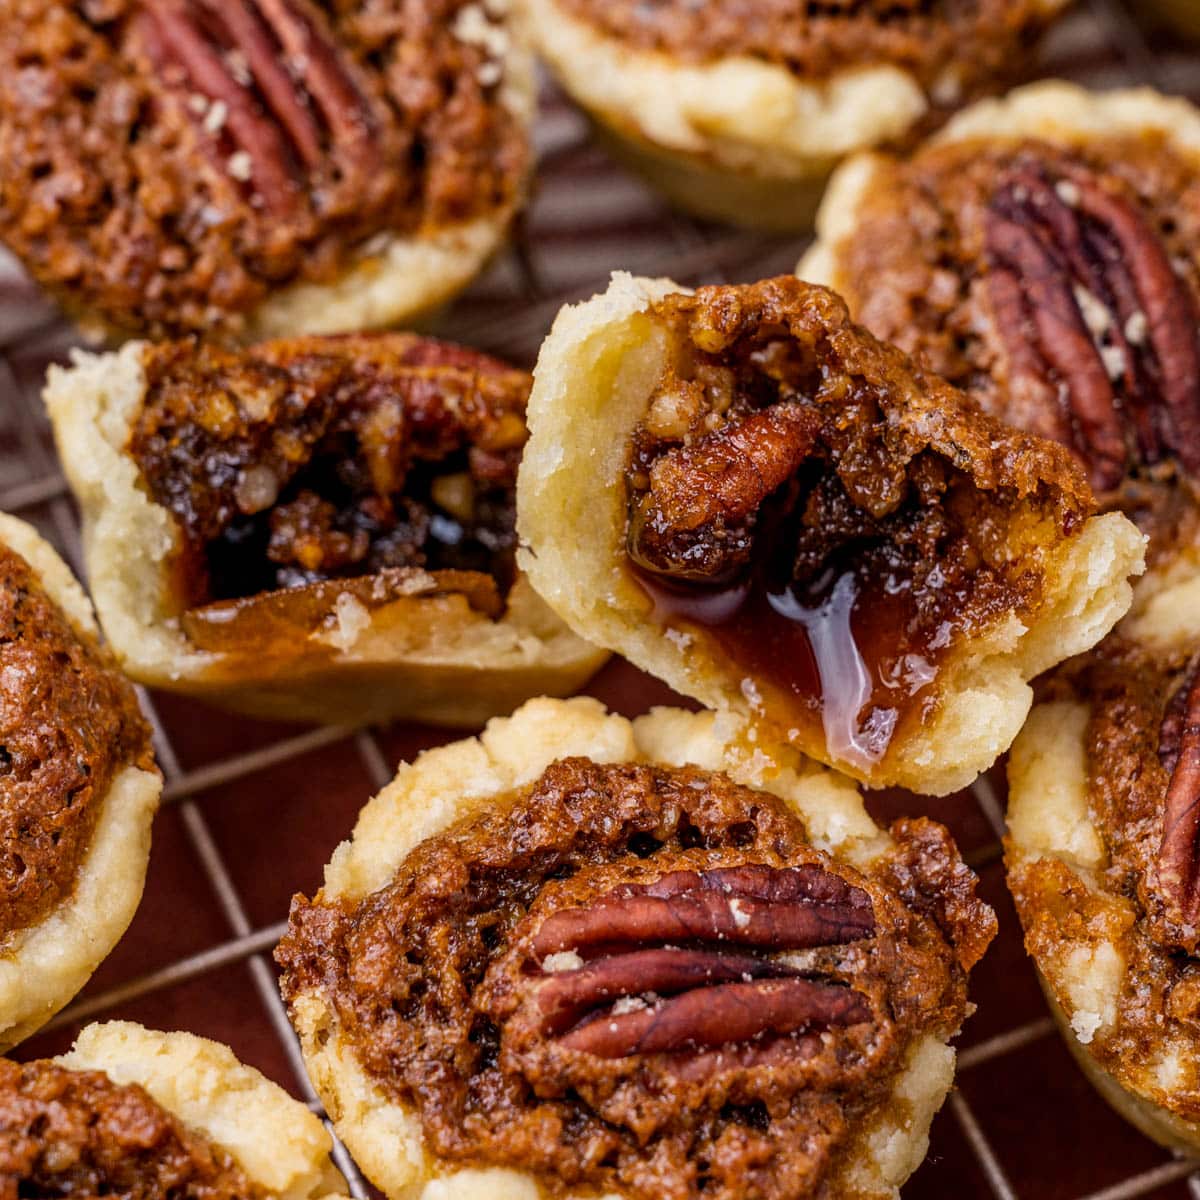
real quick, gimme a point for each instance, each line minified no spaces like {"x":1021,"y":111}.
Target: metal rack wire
{"x":1017,"y":1093}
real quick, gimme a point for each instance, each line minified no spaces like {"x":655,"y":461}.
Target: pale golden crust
{"x":427,"y":656}
{"x":595,"y":374}
{"x":1089,"y":940}
{"x":445,"y":785}
{"x":737,"y":139}
{"x":43,"y":965}
{"x":1062,"y":114}
{"x":273,"y":1138}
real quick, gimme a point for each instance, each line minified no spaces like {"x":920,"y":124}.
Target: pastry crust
{"x":1090,"y":938}
{"x":1062,"y":114}
{"x":595,"y":374}
{"x":426,"y":656}
{"x":454,"y":782}
{"x":738,"y":139}
{"x":272,"y":1137}
{"x":43,"y":965}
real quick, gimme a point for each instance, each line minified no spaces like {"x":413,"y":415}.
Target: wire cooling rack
{"x":253,"y":809}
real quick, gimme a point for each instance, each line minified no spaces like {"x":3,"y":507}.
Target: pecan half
{"x":671,"y":966}
{"x":1085,"y":298}
{"x":715,"y":487}
{"x":269,"y":91}
{"x":1179,"y":752}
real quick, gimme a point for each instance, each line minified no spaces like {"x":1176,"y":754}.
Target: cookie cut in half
{"x":133,"y":1112}
{"x":78,"y":787}
{"x":263,"y":167}
{"x":1043,"y":253}
{"x":749,"y":496}
{"x":585,"y":956}
{"x":738,"y":111}
{"x":314,"y":528}
{"x":1103,"y":862}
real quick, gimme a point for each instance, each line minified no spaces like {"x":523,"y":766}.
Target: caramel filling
{"x":786,"y":507}
{"x":645,"y":980}
{"x":368,"y":467}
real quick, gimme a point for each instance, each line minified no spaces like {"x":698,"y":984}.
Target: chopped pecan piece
{"x":1083,"y":293}
{"x":1179,"y":752}
{"x":614,"y":1006}
{"x":268,"y":91}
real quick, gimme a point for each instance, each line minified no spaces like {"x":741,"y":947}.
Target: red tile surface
{"x":254,"y":833}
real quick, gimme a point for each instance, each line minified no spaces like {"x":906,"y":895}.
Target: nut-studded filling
{"x":373,"y":466}
{"x":1059,"y":287}
{"x":645,"y":980}
{"x":69,"y":723}
{"x":983,"y":39}
{"x":831,"y":525}
{"x":171,"y":162}
{"x":76,"y":1133}
{"x":1140,"y":906}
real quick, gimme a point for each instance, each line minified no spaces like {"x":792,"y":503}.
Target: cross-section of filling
{"x":646,"y":980}
{"x":69,"y":723}
{"x":830,"y":526}
{"x":1059,"y":286}
{"x":76,"y":1133}
{"x":374,"y":467}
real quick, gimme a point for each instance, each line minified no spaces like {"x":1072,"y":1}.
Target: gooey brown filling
{"x":830,"y":525}
{"x":69,"y":723}
{"x":76,"y":1133}
{"x":306,"y":469}
{"x":645,"y":979}
{"x":1059,"y":287}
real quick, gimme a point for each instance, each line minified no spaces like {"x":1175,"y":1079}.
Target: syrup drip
{"x":846,"y":654}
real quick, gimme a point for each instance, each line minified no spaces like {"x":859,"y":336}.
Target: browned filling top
{"x":170,"y":162}
{"x":320,"y":465}
{"x":832,"y":523}
{"x":69,"y":723}
{"x":1143,"y":775}
{"x":76,"y":1133}
{"x":645,"y":979}
{"x":977,"y":42}
{"x":1059,"y":287}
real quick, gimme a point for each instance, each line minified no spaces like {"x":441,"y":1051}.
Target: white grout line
{"x":990,"y":1165}
{"x":373,"y":758}
{"x":985,"y":794}
{"x":1005,"y":1043}
{"x":1139,"y":1185}
{"x":36,"y":491}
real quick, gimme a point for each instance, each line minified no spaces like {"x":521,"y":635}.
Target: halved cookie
{"x":262,"y":168}
{"x":582,"y":956}
{"x":739,"y":110}
{"x":1103,"y":862}
{"x":1043,"y":253}
{"x":748,"y":495}
{"x":132,"y":1112}
{"x":78,"y":787}
{"x":319,"y":528}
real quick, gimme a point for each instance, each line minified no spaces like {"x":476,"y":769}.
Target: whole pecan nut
{"x":269,"y":91}
{"x":1179,"y":752}
{"x":1086,"y":298}
{"x":683,"y":963}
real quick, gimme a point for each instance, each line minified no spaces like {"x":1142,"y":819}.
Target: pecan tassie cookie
{"x":1104,"y":865}
{"x":144,"y":1115}
{"x":260,"y":167}
{"x":1043,"y":253}
{"x":313,"y":528}
{"x":78,"y":787}
{"x":738,"y":109}
{"x":580,"y":956}
{"x":746,"y":494}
